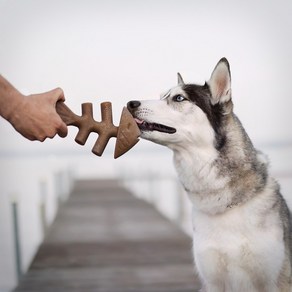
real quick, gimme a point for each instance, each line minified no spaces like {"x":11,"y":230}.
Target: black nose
{"x":133,"y":104}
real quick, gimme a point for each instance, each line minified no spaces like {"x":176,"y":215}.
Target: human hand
{"x":35,"y":116}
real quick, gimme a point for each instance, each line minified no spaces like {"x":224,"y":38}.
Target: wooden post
{"x":15,"y":221}
{"x":43,"y":212}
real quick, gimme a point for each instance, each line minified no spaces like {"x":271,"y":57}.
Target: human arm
{"x":33,"y":116}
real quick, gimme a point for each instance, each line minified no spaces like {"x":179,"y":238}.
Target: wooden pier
{"x":106,"y":240}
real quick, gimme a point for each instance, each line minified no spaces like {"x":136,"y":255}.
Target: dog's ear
{"x":220,"y":82}
{"x":180,"y":81}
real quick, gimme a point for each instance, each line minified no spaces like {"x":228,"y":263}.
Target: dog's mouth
{"x":146,"y":126}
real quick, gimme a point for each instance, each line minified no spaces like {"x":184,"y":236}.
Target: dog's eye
{"x":179,"y":98}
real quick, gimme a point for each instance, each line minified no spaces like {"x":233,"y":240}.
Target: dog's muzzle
{"x":132,"y":106}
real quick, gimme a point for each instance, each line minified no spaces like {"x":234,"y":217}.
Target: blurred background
{"x":118,"y":51}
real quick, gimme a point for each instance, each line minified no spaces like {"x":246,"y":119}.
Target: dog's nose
{"x":133,"y":104}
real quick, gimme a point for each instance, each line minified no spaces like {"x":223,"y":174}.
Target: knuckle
{"x":42,"y":138}
{"x":56,"y":94}
{"x":51,"y":134}
{"x":59,"y":92}
{"x":58,"y":124}
{"x":58,"y":128}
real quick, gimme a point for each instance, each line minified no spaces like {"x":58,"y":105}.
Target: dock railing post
{"x":15,"y":222}
{"x":43,"y":211}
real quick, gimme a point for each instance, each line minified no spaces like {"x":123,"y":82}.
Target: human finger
{"x":62,"y":130}
{"x":56,"y":95}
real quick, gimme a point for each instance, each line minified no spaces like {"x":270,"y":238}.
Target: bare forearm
{"x":10,"y":98}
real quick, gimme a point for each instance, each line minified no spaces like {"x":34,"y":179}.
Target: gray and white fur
{"x":241,"y":223}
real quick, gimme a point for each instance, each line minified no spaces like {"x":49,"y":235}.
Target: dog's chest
{"x":237,"y":242}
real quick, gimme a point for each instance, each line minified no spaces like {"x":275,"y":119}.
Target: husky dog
{"x":241,"y":223}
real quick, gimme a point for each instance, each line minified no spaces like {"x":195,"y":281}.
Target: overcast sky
{"x":122,"y":50}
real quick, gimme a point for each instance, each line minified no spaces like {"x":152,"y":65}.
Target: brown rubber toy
{"x":127,"y":133}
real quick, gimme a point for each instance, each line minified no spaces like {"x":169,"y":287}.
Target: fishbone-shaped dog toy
{"x":127,"y":132}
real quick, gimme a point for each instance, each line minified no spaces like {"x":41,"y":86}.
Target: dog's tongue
{"x":139,"y":122}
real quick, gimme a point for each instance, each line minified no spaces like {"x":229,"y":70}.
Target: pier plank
{"x":106,"y":240}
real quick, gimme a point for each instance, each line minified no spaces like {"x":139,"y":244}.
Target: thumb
{"x":57,"y":94}
{"x":62,"y":130}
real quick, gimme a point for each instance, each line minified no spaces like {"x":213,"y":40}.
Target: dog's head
{"x":187,"y":113}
